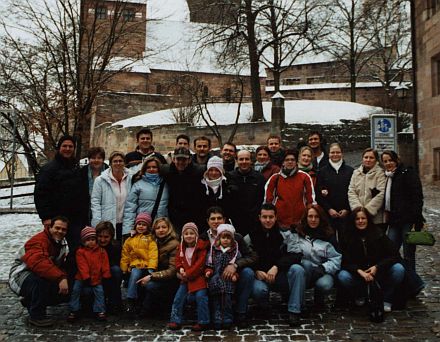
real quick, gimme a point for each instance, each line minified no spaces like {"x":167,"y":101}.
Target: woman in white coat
{"x":110,"y":192}
{"x":367,"y":186}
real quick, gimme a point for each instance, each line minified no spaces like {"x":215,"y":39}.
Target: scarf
{"x":153,"y":178}
{"x":390,"y":175}
{"x":287,"y":172}
{"x":336,"y":165}
{"x":214,"y":184}
{"x":259,"y":167}
{"x":306,"y":169}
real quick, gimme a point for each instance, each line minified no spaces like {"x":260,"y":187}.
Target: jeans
{"x":98,"y":294}
{"x":182,"y":295}
{"x":396,"y":233}
{"x":39,"y":293}
{"x":389,"y":280}
{"x":112,"y":287}
{"x":244,"y":289}
{"x":261,"y":289}
{"x":322,"y":285}
{"x":222,"y":306}
{"x":135,"y":275}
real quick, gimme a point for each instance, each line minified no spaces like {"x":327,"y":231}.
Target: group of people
{"x":217,"y":230}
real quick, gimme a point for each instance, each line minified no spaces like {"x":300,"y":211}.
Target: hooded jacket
{"x":139,"y":251}
{"x":41,"y":255}
{"x":93,"y":265}
{"x":368,"y":190}
{"x":195,"y":273}
{"x":103,"y":200}
{"x":166,"y":269}
{"x":290,"y":195}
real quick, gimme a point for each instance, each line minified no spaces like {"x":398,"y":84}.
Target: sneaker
{"x":41,"y":322}
{"x":72,"y":317}
{"x":294,"y":319}
{"x":174,"y":326}
{"x":387,"y":307}
{"x":199,"y":327}
{"x":360,"y":301}
{"x":101,"y":317}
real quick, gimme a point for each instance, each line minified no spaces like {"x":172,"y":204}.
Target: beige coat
{"x":363,"y":187}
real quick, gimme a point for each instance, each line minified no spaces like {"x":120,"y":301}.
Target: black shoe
{"x":241,"y":321}
{"x":130,"y":308}
{"x":294,"y":319}
{"x":41,"y":322}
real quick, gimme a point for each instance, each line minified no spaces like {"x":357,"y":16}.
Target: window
{"x":205,"y":92}
{"x":128,"y":14}
{"x":270,"y":83}
{"x":101,"y":13}
{"x":315,"y":79}
{"x":436,"y":164}
{"x":435,"y":67}
{"x":228,"y":94}
{"x":158,"y":88}
{"x":291,"y":81}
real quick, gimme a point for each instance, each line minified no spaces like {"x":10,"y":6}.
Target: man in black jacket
{"x":144,"y":149}
{"x":249,"y":195}
{"x":183,"y":179}
{"x":61,"y":190}
{"x":215,"y":217}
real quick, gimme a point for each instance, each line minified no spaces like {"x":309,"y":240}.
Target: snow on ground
{"x":15,"y":230}
{"x":297,"y":111}
{"x":20,"y":202}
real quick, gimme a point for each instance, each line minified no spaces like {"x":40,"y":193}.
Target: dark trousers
{"x":112,"y":287}
{"x":39,"y":293}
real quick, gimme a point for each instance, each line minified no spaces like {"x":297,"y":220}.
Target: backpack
{"x":375,"y":302}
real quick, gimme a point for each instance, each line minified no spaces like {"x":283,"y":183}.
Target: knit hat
{"x":87,"y":232}
{"x":143,"y":217}
{"x":186,"y":226}
{"x":190,"y":225}
{"x":216,"y":162}
{"x":224,"y":227}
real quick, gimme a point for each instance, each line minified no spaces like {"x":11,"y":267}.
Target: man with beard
{"x":202,"y":148}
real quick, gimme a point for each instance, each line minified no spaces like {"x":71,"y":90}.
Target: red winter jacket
{"x":290,"y":195}
{"x":194,"y":273}
{"x":42,"y":256}
{"x":92,"y":264}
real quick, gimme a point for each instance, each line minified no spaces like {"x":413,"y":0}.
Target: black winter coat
{"x":60,"y":189}
{"x":336,"y":184}
{"x":406,"y":200}
{"x":246,"y":200}
{"x":113,"y":250}
{"x":374,"y":248}
{"x":136,"y":157}
{"x":185,"y":202}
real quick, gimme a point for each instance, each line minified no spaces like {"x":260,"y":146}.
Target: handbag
{"x":375,"y":302}
{"x":422,"y":237}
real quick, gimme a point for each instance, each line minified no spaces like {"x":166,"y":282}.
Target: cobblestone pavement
{"x":419,"y":322}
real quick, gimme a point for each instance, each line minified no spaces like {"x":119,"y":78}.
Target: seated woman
{"x":368,"y":255}
{"x":320,"y":260}
{"x":160,"y":286}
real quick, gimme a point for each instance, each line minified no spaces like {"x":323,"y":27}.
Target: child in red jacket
{"x":93,"y":265}
{"x":190,"y":265}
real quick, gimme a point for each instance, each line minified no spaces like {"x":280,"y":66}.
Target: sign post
{"x":384,"y":132}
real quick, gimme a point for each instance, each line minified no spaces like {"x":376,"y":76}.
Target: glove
{"x":317,"y":272}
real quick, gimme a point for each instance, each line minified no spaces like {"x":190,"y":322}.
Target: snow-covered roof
{"x":300,"y":111}
{"x":175,"y":10}
{"x":330,"y":86}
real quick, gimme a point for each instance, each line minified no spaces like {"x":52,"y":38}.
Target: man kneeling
{"x":37,"y":273}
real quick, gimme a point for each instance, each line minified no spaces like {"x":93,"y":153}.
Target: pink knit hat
{"x":143,"y":217}
{"x":224,"y":228}
{"x":190,"y":225}
{"x":87,"y":232}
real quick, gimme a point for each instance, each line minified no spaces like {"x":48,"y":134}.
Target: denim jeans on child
{"x":180,"y":299}
{"x":98,"y":297}
{"x":222,"y":306}
{"x":389,"y":280}
{"x":135,"y":275}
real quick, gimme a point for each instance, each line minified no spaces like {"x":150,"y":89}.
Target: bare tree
{"x":347,"y":43}
{"x":197,"y":103}
{"x":388,"y":23}
{"x":55,"y":58}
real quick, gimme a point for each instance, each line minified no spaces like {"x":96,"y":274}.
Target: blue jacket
{"x":103,"y":201}
{"x":141,"y":199}
{"x":317,"y":251}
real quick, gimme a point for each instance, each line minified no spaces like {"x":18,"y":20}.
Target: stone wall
{"x":427,"y":27}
